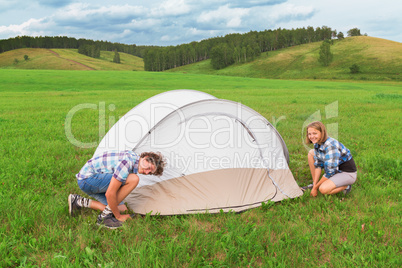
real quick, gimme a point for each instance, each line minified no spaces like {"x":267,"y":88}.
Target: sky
{"x":173,"y":22}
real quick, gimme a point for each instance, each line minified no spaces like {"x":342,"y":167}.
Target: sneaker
{"x":73,"y":206}
{"x":109,"y":221}
{"x":347,"y":190}
{"x":304,"y":188}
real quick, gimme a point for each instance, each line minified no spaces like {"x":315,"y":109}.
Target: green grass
{"x":378,"y":59}
{"x":38,"y":164}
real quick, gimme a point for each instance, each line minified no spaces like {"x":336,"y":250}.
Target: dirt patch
{"x":76,"y":62}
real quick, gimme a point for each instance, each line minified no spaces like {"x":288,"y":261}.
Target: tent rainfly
{"x":221,"y":155}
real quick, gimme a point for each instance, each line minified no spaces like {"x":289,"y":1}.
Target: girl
{"x":332,"y":156}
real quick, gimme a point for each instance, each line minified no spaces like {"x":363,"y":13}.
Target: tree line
{"x":223,"y":51}
{"x":89,"y":50}
{"x":232,"y":48}
{"x":85,"y":46}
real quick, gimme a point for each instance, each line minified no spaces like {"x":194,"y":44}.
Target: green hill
{"x":67,"y":59}
{"x":378,"y":59}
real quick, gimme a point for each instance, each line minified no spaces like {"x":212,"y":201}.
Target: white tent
{"x":125,"y":134}
{"x":221,"y":155}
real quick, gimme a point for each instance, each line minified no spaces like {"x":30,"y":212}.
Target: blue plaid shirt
{"x":118,"y":163}
{"x":330,"y":155}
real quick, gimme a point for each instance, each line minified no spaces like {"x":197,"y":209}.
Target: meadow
{"x":378,"y":60}
{"x":67,"y":59}
{"x":38,"y":164}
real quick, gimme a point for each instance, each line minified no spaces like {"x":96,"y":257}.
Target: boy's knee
{"x":133,"y":178}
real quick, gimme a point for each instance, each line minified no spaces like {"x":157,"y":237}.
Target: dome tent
{"x":125,"y":134}
{"x":221,"y":155}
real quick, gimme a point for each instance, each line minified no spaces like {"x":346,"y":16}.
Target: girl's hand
{"x":314,"y":192}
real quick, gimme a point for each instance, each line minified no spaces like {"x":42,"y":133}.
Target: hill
{"x":67,"y":59}
{"x":378,"y":59}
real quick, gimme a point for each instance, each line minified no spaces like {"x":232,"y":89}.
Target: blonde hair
{"x":317,"y":125}
{"x":155,"y":159}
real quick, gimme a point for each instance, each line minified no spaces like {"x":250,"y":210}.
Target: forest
{"x":69,"y":42}
{"x":223,"y":50}
{"x":233,"y":48}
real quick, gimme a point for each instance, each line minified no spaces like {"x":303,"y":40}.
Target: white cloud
{"x":224,"y":16}
{"x":288,"y":12}
{"x":171,"y":22}
{"x":234,"y":22}
{"x":171,"y":8}
{"x":98,"y":15}
{"x":32,"y":27}
{"x":143,"y":24}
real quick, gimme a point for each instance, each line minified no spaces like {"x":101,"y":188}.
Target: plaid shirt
{"x":118,"y":163}
{"x":330,"y":155}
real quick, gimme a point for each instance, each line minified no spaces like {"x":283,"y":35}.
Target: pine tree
{"x":116,"y":58}
{"x":325,"y":53}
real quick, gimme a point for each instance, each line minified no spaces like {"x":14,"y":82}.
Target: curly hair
{"x":157,"y":160}
{"x":317,"y":125}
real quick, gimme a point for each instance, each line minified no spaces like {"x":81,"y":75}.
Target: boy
{"x":109,"y":178}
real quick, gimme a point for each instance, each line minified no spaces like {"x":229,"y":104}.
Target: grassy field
{"x":67,"y":59}
{"x":378,"y":59}
{"x":38,"y":164}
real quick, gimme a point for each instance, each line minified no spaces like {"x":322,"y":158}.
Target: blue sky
{"x":172,"y":22}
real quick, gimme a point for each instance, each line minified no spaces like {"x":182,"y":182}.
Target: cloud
{"x":85,"y":16}
{"x":166,"y":23}
{"x":223,"y":17}
{"x":289,"y":12}
{"x":171,"y":22}
{"x":143,"y":25}
{"x":54,"y":3}
{"x":171,"y":8}
{"x":32,"y":27}
{"x":213,"y":4}
{"x":7,"y":5}
{"x":254,"y":3}
{"x":13,"y":5}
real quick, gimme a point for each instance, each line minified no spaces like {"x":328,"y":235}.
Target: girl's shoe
{"x":304,"y":188}
{"x":347,"y":190}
